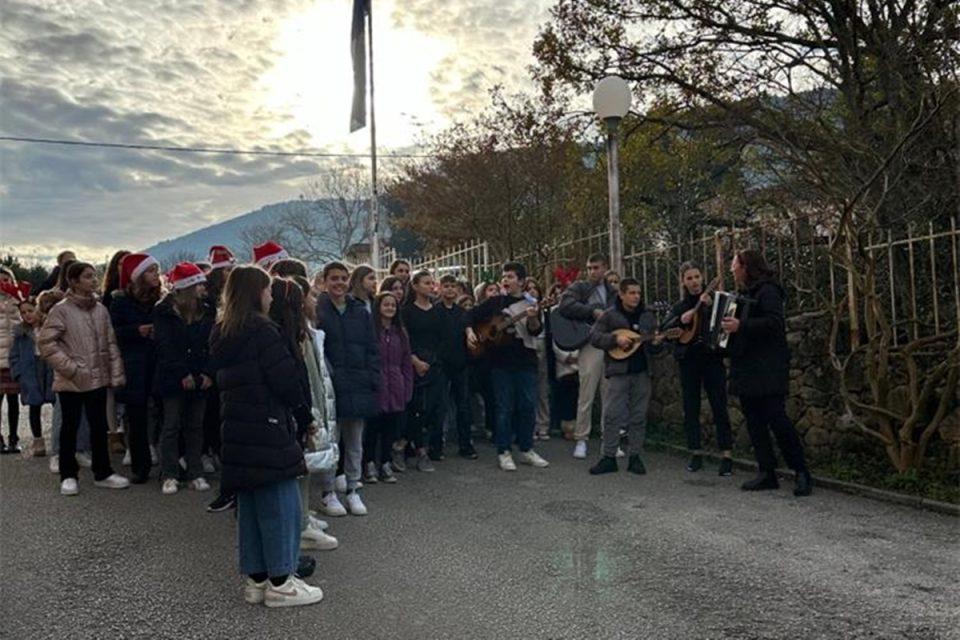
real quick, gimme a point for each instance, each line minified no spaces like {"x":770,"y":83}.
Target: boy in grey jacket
{"x":628,"y":380}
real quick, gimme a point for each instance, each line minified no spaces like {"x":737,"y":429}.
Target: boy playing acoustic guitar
{"x":628,"y":380}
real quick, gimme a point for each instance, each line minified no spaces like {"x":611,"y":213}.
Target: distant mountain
{"x":196,"y":244}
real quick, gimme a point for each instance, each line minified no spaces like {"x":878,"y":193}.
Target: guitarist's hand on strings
{"x":624,"y":342}
{"x":687,"y":317}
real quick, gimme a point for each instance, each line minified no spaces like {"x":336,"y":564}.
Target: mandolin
{"x":637,"y":340}
{"x":495,"y":331}
{"x":690,"y":334}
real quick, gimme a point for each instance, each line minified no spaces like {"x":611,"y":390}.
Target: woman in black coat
{"x":262,"y":406}
{"x":760,"y":373}
{"x":131,"y":313}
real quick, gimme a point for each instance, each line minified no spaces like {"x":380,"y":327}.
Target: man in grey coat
{"x":585,"y":301}
{"x":627,"y":393}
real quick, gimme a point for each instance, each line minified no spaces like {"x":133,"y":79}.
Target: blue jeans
{"x":515,"y":397}
{"x":268,"y":529}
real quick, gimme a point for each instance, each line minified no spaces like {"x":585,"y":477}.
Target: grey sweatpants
{"x":351,"y":435}
{"x":625,"y":407}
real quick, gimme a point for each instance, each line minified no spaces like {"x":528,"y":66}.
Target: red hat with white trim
{"x":267,"y":253}
{"x":185,"y":274}
{"x":133,"y":266}
{"x":221,"y":257}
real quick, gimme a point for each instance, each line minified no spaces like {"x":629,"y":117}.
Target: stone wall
{"x":814,"y":403}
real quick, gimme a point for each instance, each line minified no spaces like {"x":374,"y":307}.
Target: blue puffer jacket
{"x":34,"y":375}
{"x":353,"y":352}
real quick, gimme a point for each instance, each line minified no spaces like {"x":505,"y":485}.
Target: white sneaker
{"x":253,"y":592}
{"x":170,"y":487}
{"x":316,"y":522}
{"x":200,"y":484}
{"x":84,"y":460}
{"x":580,"y":450}
{"x":292,"y":593}
{"x":330,"y":506}
{"x":621,"y":453}
{"x":312,"y":539}
{"x":533,"y":459}
{"x":506,"y":461}
{"x":370,"y":473}
{"x":208,"y":466}
{"x":340,"y":484}
{"x":154,"y":456}
{"x":112,"y":481}
{"x":127,"y":461}
{"x":54,"y":464}
{"x":355,"y":505}
{"x":69,"y":487}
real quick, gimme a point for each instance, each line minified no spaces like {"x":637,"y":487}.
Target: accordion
{"x":725,"y":305}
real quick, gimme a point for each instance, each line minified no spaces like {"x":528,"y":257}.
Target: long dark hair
{"x":111,"y":277}
{"x":397,"y":321}
{"x":241,"y":299}
{"x":356,"y":280}
{"x":62,"y":283}
{"x":754,"y":266}
{"x":287,"y":311}
{"x":386,"y":285}
{"x":411,"y":295}
{"x":216,"y":279}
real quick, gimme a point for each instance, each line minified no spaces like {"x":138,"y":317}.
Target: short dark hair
{"x":517,"y":268}
{"x":448,"y":279}
{"x":64,"y":254}
{"x":288,"y":267}
{"x":626,"y":283}
{"x":333,"y":266}
{"x":597,"y":257}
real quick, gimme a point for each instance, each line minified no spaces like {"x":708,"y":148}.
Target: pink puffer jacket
{"x":77,"y":340}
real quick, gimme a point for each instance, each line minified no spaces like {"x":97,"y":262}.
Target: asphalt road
{"x":473,"y":552}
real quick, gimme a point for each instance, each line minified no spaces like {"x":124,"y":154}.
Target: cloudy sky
{"x":239,"y":73}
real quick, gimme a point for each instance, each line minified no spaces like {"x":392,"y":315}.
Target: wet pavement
{"x":473,"y":552}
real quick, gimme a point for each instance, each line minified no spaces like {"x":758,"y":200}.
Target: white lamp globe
{"x":612,"y":98}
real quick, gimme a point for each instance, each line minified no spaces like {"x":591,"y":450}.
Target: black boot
{"x":635,"y":465}
{"x":695,"y":464}
{"x":765,"y":480}
{"x":726,"y":467}
{"x":804,"y":486}
{"x":606,"y":464}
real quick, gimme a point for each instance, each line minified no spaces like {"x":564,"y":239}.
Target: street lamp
{"x":611,"y":102}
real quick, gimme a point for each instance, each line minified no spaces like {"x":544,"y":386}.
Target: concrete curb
{"x":917,"y":502}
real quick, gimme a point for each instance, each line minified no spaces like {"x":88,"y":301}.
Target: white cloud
{"x":245,"y":73}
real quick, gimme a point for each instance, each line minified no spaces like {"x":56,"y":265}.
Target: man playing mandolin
{"x":628,"y":333}
{"x":701,"y":366}
{"x":511,"y":318}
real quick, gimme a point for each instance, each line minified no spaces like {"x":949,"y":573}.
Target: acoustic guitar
{"x":495,"y":331}
{"x":636,"y":341}
{"x":690,"y":334}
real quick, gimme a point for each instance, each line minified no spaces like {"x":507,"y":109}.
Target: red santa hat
{"x":221,"y":257}
{"x":267,"y":253}
{"x":185,"y":274}
{"x":133,"y":266}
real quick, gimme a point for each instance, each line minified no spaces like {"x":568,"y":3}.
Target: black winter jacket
{"x":261,"y":407}
{"x":139,"y":353}
{"x":601,"y":336}
{"x":182,"y":350}
{"x":759,"y":356}
{"x":353,"y":351}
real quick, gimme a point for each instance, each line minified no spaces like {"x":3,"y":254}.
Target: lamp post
{"x":611,"y":102}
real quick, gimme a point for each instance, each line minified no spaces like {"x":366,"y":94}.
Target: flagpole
{"x":374,"y":199}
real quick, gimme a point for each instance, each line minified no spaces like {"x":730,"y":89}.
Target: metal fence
{"x":916,"y":271}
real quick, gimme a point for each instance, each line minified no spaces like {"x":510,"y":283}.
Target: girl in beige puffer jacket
{"x":78,"y":342}
{"x":9,"y":389}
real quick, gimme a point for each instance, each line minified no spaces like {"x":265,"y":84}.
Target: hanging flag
{"x":358,"y":50}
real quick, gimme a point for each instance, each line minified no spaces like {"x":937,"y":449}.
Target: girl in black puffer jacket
{"x":262,"y":405}
{"x":182,"y":324}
